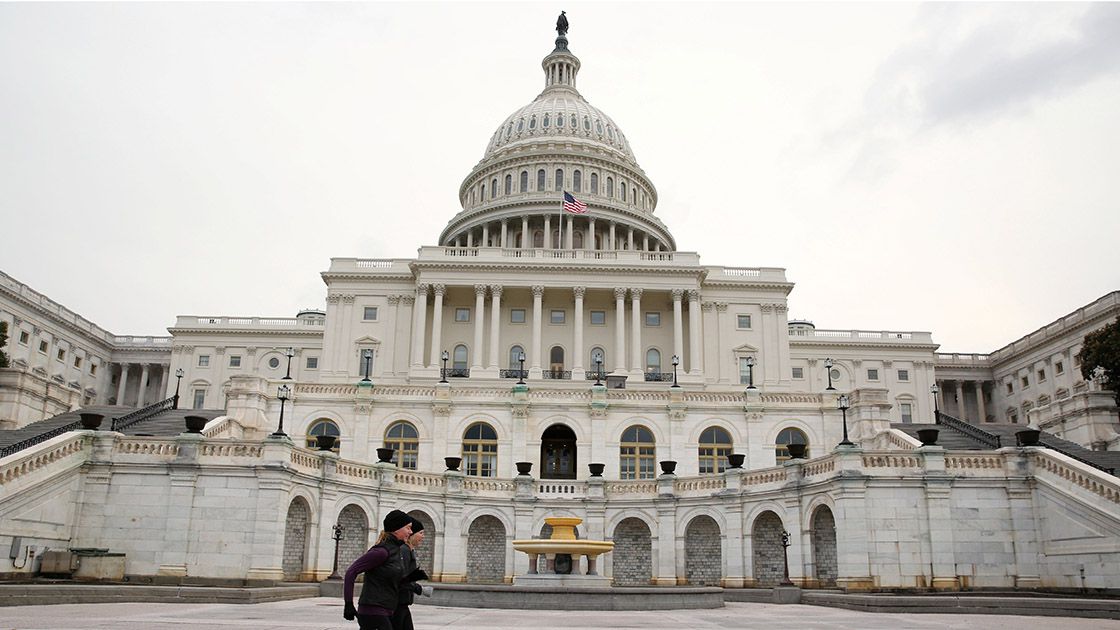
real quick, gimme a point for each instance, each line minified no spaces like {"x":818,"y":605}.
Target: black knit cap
{"x":417,"y":526}
{"x":395,"y":520}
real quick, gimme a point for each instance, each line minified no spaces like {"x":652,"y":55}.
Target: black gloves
{"x":349,"y":612}
{"x":416,"y":588}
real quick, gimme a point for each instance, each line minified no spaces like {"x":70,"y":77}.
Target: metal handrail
{"x":513,"y":373}
{"x":972,"y":431}
{"x":557,"y":375}
{"x":42,"y":437}
{"x":658,"y":377}
{"x":140,"y":415}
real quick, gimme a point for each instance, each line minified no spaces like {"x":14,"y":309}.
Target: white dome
{"x":560,"y":114}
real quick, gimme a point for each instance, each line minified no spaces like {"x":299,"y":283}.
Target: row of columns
{"x":960,"y":410}
{"x":535,"y":352}
{"x":145,"y":370}
{"x":618,"y":236}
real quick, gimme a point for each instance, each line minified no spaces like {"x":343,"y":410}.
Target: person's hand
{"x":427,"y":591}
{"x":349,"y":612}
{"x":416,"y":588}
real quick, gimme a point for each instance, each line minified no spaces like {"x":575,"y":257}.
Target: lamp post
{"x":785,"y":560}
{"x":598,"y":368}
{"x":934,"y":389}
{"x":443,"y":372}
{"x":178,"y":378}
{"x":676,"y":362}
{"x":290,"y":353}
{"x":283,"y":394}
{"x":828,"y":370}
{"x":750,"y":373}
{"x":843,"y":403}
{"x":337,"y":536}
{"x":367,"y":363}
{"x":520,"y":371}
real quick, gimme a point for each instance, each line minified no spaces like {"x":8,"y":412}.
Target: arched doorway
{"x":703,"y":552}
{"x":425,"y":553}
{"x":355,"y":535}
{"x":823,"y":537}
{"x":486,"y":551}
{"x":767,"y":550}
{"x":632,"y":558}
{"x":558,"y":453}
{"x":295,"y":539}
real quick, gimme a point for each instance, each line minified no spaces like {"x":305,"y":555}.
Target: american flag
{"x":573,"y":205}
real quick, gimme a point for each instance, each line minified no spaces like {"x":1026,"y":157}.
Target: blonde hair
{"x":382,"y":538}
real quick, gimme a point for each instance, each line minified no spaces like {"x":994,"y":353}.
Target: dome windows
{"x":594,"y":183}
{"x":586,"y":123}
{"x":541,"y":186}
{"x":575,"y":122}
{"x":520,"y":124}
{"x":610,"y":187}
{"x":509,"y":130}
{"x":545,"y":121}
{"x":533,"y":122}
{"x":509,"y":184}
{"x":610,"y":132}
{"x":598,"y":127}
{"x":494,"y":188}
{"x":559,"y":179}
{"x":577,"y":181}
{"x":524,"y":181}
{"x":622,"y":189}
{"x":560,"y":120}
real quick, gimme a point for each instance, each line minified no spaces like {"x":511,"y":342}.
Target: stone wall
{"x":632,"y":557}
{"x":295,"y":539}
{"x":486,"y":551}
{"x":823,"y":540}
{"x":355,"y":536}
{"x":766,"y":547}
{"x":703,"y":557}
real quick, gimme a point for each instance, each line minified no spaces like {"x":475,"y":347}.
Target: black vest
{"x":382,"y":583}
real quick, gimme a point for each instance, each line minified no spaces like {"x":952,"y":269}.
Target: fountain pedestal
{"x":563,"y":542}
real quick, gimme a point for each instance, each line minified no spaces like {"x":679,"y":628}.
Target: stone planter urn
{"x":195,"y":423}
{"x":596,"y":469}
{"x":453,"y":462}
{"x":796,"y":451}
{"x":1027,"y":437}
{"x":524,"y":468}
{"x":928,"y":436}
{"x":325,"y":442}
{"x":668,"y":466}
{"x":384,"y":455}
{"x":735,"y":460}
{"x":91,"y":421}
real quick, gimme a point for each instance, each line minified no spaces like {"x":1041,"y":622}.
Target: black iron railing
{"x":972,"y":431}
{"x":116,"y":424}
{"x":140,"y":415}
{"x":595,"y":376}
{"x":459,"y":373}
{"x":522,"y":374}
{"x":42,"y":437}
{"x":557,"y":375}
{"x":658,"y":377}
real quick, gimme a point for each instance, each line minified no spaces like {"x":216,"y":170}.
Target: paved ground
{"x":326,"y":614}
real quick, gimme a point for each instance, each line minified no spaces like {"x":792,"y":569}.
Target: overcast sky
{"x":953,"y":168}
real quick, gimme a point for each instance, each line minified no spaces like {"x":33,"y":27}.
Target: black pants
{"x":375,"y":622}
{"x":402,"y":618}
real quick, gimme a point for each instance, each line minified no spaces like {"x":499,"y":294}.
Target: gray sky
{"x":950,"y":168}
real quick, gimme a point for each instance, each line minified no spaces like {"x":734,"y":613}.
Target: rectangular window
{"x":199,"y":399}
{"x":1042,"y":376}
{"x":743,"y":321}
{"x":462,"y":315}
{"x":203,"y":360}
{"x":369,"y":313}
{"x":61,"y":355}
{"x":235,"y":360}
{"x":653,"y":319}
{"x":1010,"y":387}
{"x":907,"y":414}
{"x":1077,"y":359}
{"x":598,"y":318}
{"x":1013,"y":418}
{"x":872,"y":374}
{"x":1059,"y":368}
{"x":1025,"y":382}
{"x":798,"y":373}
{"x":93,"y":368}
{"x":517,"y":316}
{"x":904,"y":375}
{"x":43,"y":347}
{"x":313,"y":363}
{"x":24,"y":336}
{"x":77,"y":362}
{"x":744,"y":372}
{"x":556,"y":317}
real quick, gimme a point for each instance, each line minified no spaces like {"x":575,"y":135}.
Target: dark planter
{"x":91,"y":421}
{"x":385,"y":455}
{"x":524,"y":468}
{"x":928,"y":436}
{"x":735,"y":460}
{"x":195,"y":423}
{"x":596,"y":469}
{"x":453,"y":462}
{"x":796,"y":451}
{"x":1027,"y":437}
{"x":325,"y":442}
{"x":668,"y":466}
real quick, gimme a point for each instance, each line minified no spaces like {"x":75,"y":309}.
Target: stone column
{"x":981,"y":412}
{"x":535,"y":348}
{"x":495,"y":324}
{"x":591,"y":233}
{"x":569,"y":233}
{"x":389,"y":355}
{"x":505,"y":234}
{"x":645,"y":242}
{"x":164,"y":373}
{"x":437,"y":323}
{"x":548,"y":231}
{"x":960,"y":401}
{"x":479,"y":318}
{"x":721,"y":315}
{"x":630,"y":239}
{"x":526,"y":239}
{"x":610,"y":237}
{"x":420,"y":312}
{"x":577,"y":342}
{"x":142,"y":389}
{"x":678,"y":325}
{"x":619,"y":328}
{"x":695,"y":363}
{"x":122,"y":384}
{"x":485,"y":242}
{"x":636,"y":331}
{"x":470,"y":238}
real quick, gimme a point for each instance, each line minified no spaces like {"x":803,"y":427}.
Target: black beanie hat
{"x":417,"y":526}
{"x":395,"y":520}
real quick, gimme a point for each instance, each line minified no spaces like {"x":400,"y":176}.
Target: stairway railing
{"x":972,"y":431}
{"x":116,"y":424}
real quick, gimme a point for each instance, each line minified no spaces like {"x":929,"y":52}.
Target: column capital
{"x":422,"y":289}
{"x":677,"y":294}
{"x":721,"y":306}
{"x":347,"y":298}
{"x":480,"y":289}
{"x":496,"y":290}
{"x":693,"y":295}
{"x":619,"y":293}
{"x":407,"y":300}
{"x":394,"y":299}
{"x":707,"y":306}
{"x":579,"y":292}
{"x":767,"y":307}
{"x":636,"y":293}
{"x":538,"y":290}
{"x":332,"y":299}
{"x":439,"y":289}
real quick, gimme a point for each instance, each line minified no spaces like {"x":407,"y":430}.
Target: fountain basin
{"x":565,"y":546}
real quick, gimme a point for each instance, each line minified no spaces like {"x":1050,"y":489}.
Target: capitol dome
{"x":558,"y":143}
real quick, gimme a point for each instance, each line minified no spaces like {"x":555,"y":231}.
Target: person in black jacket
{"x":409,"y":589}
{"x":385,"y":566}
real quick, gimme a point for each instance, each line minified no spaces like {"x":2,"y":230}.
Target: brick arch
{"x":425,"y":553}
{"x":295,"y":538}
{"x":766,"y":549}
{"x":486,"y":551}
{"x":632,"y":558}
{"x":703,"y":559}
{"x":823,"y":537}
{"x":355,"y":535}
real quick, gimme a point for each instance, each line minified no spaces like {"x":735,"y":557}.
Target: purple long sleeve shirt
{"x":371,"y":559}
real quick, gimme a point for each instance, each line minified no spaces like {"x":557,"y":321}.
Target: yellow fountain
{"x":563,"y":542}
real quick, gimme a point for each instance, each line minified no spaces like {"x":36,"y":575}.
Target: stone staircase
{"x":170,"y":422}
{"x":12,"y":436}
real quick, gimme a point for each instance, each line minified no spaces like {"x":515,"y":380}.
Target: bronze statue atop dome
{"x":562,"y":25}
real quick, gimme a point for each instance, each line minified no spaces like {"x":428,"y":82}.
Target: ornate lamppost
{"x":676,"y":362}
{"x":520,"y":371}
{"x":283,"y":394}
{"x":598,"y":368}
{"x":290,"y":353}
{"x":337,"y":536}
{"x":178,"y":378}
{"x":934,"y":389}
{"x":367,"y":364}
{"x":785,"y":560}
{"x":828,"y":370}
{"x":843,"y":403}
{"x":750,"y":373}
{"x":443,"y":372}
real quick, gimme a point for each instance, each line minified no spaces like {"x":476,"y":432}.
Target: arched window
{"x":494,"y":188}
{"x":538,"y":238}
{"x":577,"y":181}
{"x":480,"y":450}
{"x":653,"y":360}
{"x":636,"y":453}
{"x":482,"y":192}
{"x":556,"y":359}
{"x":524,"y":181}
{"x":515,"y":352}
{"x":597,"y":352}
{"x":405,"y":441}
{"x":577,"y":240}
{"x":633,"y":195}
{"x":610,"y":187}
{"x":594,"y":183}
{"x":459,"y":358}
{"x":540,"y":180}
{"x":558,"y":184}
{"x":323,"y":426}
{"x":715,"y":446}
{"x":509,"y":184}
{"x":622,"y":189}
{"x":789,"y":436}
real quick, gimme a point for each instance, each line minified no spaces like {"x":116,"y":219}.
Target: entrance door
{"x":558,"y":453}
